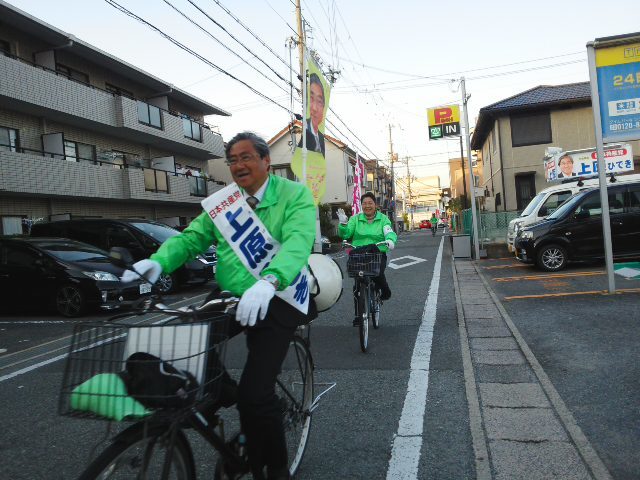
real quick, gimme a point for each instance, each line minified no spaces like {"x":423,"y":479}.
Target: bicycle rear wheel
{"x":365,"y":304}
{"x":140,"y":452}
{"x":295,"y":389}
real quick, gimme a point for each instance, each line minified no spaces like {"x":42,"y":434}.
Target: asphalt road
{"x":587,"y":344}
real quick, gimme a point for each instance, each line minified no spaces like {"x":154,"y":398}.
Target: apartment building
{"x":85,"y":134}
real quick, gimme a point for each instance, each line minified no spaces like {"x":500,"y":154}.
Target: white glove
{"x":390,"y":244}
{"x":342,"y":217}
{"x":253,"y":302}
{"x":149,"y":269}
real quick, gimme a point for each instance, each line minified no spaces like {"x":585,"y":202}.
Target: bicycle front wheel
{"x":375,"y":308}
{"x":295,"y":389}
{"x":140,"y":452}
{"x":365,"y":302}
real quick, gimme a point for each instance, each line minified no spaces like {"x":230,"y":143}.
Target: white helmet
{"x":328,"y":277}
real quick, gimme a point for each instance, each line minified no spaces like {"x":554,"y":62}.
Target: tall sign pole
{"x":472,"y":186}
{"x":614,"y":71}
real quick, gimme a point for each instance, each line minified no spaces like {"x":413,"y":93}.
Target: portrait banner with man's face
{"x":317,"y":104}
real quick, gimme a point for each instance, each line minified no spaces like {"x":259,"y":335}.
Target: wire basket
{"x":364,"y":264}
{"x":126,"y":372}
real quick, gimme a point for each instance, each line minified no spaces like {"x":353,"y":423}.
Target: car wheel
{"x":552,"y":258}
{"x":166,"y":283}
{"x":70,"y":301}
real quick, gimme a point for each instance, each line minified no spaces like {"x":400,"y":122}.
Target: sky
{"x":395,"y":59}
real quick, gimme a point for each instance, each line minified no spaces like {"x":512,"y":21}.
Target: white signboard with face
{"x":584,"y":163}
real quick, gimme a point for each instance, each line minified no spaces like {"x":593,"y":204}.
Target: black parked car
{"x":70,"y":276}
{"x":141,"y":237}
{"x":574,"y":231}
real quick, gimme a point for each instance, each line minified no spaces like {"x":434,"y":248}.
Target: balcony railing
{"x":155,"y":180}
{"x":151,"y":115}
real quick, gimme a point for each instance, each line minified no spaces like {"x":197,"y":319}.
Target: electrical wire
{"x":206,"y":32}
{"x":238,"y":41}
{"x":127,"y":12}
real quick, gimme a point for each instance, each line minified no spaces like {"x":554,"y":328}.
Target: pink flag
{"x":357,"y":179}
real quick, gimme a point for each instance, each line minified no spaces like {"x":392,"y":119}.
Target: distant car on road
{"x":141,"y":237}
{"x":425,"y":224}
{"x":71,"y":277}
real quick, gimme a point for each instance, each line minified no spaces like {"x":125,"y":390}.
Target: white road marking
{"x":407,"y":443}
{"x":411,"y":261}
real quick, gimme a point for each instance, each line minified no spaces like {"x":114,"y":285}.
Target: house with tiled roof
{"x":512,"y":135}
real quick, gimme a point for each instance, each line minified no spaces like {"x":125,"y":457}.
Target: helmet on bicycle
{"x":328,"y":277}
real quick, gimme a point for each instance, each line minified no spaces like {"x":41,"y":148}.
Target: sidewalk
{"x":520,"y":426}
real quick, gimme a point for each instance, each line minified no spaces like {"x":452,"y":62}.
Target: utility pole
{"x":393,"y":184}
{"x":464,"y":177}
{"x":472,"y":187}
{"x":410,"y":195}
{"x":301,"y":40}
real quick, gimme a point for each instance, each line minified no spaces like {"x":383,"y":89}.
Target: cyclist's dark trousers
{"x":381,"y":280}
{"x":259,"y":406}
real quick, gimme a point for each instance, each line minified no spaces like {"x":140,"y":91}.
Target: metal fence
{"x":493,"y":225}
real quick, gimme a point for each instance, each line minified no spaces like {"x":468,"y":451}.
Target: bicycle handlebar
{"x":347,"y":244}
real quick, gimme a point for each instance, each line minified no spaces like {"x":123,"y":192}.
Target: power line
{"x":122,"y":9}
{"x":278,"y":14}
{"x":251,"y":32}
{"x":460,"y":72}
{"x":234,"y":38}
{"x":206,"y":32}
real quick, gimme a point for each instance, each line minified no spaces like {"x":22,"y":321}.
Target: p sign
{"x":445,"y":121}
{"x":443,"y":115}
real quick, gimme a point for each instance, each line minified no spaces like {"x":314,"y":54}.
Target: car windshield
{"x":568,"y":206}
{"x":535,"y":201}
{"x":158,"y":232}
{"x":74,"y":252}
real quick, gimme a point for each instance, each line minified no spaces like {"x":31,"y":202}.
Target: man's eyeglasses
{"x":241,"y":160}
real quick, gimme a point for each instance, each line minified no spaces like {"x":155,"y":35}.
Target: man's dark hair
{"x":314,"y":78}
{"x":368,"y":195}
{"x":259,"y":143}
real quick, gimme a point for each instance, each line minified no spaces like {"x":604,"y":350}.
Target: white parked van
{"x":545,"y":202}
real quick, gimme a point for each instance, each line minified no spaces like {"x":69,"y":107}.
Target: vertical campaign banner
{"x":618,"y":82}
{"x":357,"y":182}
{"x":317,"y":104}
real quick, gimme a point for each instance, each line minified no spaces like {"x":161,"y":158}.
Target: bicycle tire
{"x":375,"y":308}
{"x":295,"y":389}
{"x":129,"y":449}
{"x":364,"y":317}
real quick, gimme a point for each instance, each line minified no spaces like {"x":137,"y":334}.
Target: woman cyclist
{"x":366,"y":228}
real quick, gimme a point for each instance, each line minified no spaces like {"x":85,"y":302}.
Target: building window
{"x":192,"y":129}
{"x":530,"y":129}
{"x":8,"y":139}
{"x":5,"y":48}
{"x":76,"y":151}
{"x":72,"y":73}
{"x":525,"y":189}
{"x":284,"y":172}
{"x":149,"y":115}
{"x":118,"y":91}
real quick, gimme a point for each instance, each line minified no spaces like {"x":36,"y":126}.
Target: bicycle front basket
{"x":364,"y":264}
{"x":124,"y":372}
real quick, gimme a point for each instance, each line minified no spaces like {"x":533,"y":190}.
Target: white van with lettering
{"x":545,"y":202}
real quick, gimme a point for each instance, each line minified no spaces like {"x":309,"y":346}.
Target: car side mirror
{"x":543,"y":212}
{"x":121,"y":257}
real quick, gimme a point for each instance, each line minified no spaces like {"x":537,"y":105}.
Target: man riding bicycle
{"x":273,"y":289}
{"x":367,"y":228}
{"x":434,"y":223}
